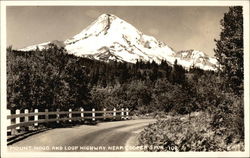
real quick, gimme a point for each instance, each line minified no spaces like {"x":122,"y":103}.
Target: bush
{"x":187,"y":133}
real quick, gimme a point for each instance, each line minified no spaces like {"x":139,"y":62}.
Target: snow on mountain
{"x":117,"y":37}
{"x":44,"y":45}
{"x":34,"y":47}
{"x":194,"y":58}
{"x":111,"y":38}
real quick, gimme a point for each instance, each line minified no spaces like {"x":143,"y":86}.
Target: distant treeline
{"x":52,"y":79}
{"x":46,"y":79}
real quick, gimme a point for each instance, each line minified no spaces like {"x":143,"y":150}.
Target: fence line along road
{"x":26,"y":119}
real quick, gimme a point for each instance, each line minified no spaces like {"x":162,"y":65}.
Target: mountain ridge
{"x":111,"y":38}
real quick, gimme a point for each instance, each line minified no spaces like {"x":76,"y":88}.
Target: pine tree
{"x":177,"y":74}
{"x":229,"y":48}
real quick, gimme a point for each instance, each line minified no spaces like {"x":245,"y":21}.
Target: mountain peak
{"x":100,"y":25}
{"x":107,"y":16}
{"x":197,"y":58}
{"x":111,"y":38}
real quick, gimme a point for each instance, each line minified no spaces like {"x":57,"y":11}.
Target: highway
{"x":105,"y":136}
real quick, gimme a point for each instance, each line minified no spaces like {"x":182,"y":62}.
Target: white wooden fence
{"x":27,"y":119}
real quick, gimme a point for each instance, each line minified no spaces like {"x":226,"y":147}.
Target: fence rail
{"x":26,"y":119}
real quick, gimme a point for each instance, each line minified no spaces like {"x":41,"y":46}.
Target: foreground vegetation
{"x":189,"y":133}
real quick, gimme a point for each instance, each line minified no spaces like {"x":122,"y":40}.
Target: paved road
{"x":106,"y":136}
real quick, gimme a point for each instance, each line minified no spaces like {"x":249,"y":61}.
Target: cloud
{"x":92,"y":13}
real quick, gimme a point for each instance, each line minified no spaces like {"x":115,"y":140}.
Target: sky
{"x":180,"y":27}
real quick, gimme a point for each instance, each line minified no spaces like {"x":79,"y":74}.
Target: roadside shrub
{"x":187,"y":133}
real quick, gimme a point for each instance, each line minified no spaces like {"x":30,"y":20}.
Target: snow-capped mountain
{"x":194,"y":58}
{"x":111,"y":38}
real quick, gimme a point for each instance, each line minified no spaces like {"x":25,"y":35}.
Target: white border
{"x":4,"y":4}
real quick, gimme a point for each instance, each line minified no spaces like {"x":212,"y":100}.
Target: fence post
{"x":36,"y":117}
{"x":17,"y":119}
{"x":126,"y":113}
{"x":26,"y":118}
{"x":104,"y":113}
{"x":122,"y":113}
{"x":8,"y":120}
{"x":82,"y":114}
{"x":13,"y":121}
{"x":57,"y":115}
{"x":46,"y":115}
{"x":70,"y":115}
{"x":114,"y":113}
{"x":93,"y":114}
